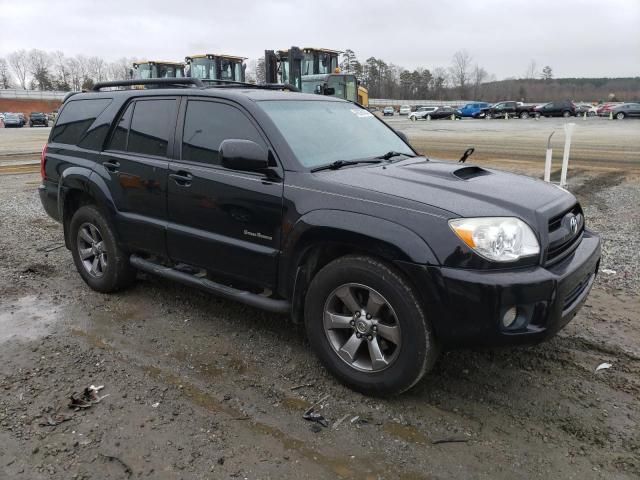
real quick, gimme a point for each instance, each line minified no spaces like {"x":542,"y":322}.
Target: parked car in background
{"x":511,"y":108}
{"x":388,"y":111}
{"x":38,"y":118}
{"x":582,"y":108}
{"x":626,"y":110}
{"x":605,"y":109}
{"x":12,"y":120}
{"x":22,"y":118}
{"x":422,"y":113}
{"x":564,"y":108}
{"x":473,"y":109}
{"x":405,"y":110}
{"x":437,"y":113}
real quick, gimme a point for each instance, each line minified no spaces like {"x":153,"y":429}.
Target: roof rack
{"x":263,"y":86}
{"x":181,"y":82}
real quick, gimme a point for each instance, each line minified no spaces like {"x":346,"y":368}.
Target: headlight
{"x":500,"y":239}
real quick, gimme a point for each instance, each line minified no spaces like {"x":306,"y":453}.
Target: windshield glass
{"x":322,"y":132}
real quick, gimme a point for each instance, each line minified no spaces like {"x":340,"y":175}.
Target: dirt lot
{"x":203,"y":388}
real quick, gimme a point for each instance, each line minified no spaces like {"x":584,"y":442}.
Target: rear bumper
{"x":48,"y":192}
{"x":467,"y":306}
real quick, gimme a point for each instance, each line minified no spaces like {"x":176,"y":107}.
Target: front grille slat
{"x":574,"y":294}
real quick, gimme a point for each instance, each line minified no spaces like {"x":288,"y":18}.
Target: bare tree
{"x":96,"y":69}
{"x":19,"y":62}
{"x":5,"y":75}
{"x":532,"y":70}
{"x":120,"y":69}
{"x":61,"y":79}
{"x":39,"y":63}
{"x":479,"y":75}
{"x":460,"y":70}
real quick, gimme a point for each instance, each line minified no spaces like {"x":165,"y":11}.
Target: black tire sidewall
{"x":417,"y":350}
{"x":113,"y":277}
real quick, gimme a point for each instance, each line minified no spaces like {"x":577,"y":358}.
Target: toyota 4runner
{"x":309,"y":205}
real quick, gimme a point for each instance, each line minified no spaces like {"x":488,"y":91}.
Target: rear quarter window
{"x":76,"y":118}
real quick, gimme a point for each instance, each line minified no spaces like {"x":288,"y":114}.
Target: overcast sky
{"x":577,"y":38}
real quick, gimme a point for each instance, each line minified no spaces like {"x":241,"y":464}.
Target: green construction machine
{"x":313,"y":70}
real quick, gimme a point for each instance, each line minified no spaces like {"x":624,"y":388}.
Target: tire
{"x":524,"y":115}
{"x":620,"y":116}
{"x":566,"y":114}
{"x":109,"y":274}
{"x":380,"y":289}
{"x":488,"y":115}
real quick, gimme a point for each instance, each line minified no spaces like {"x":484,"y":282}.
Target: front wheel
{"x":620,"y":116}
{"x":524,"y":115}
{"x":488,"y":115}
{"x":98,"y":258}
{"x":368,"y":327}
{"x":566,"y":114}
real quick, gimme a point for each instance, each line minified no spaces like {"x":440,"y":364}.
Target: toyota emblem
{"x":573,"y":224}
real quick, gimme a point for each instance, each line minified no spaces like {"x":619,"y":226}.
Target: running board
{"x":242,"y":296}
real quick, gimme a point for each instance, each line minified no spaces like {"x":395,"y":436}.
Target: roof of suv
{"x":232,"y":93}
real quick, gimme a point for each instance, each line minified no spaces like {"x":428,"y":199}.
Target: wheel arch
{"x":324,"y":235}
{"x":78,"y":187}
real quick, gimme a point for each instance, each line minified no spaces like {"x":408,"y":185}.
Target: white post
{"x":547,"y":162}
{"x":568,"y":131}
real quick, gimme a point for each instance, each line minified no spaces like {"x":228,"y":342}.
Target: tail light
{"x":43,"y":161}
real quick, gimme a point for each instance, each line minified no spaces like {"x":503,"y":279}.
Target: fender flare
{"x":406,"y":241}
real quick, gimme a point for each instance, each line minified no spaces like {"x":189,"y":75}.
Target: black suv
{"x":557,"y":109}
{"x":309,"y":205}
{"x":38,"y":118}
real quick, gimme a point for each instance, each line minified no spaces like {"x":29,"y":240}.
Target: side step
{"x":242,"y":296}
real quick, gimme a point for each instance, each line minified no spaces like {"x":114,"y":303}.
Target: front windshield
{"x":322,"y":132}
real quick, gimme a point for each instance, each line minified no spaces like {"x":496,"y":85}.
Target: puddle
{"x":406,"y":433}
{"x":27,"y":318}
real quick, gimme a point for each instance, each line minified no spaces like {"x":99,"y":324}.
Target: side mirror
{"x":243,"y":155}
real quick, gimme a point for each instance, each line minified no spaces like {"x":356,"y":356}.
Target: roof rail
{"x":264,"y":86}
{"x":149,"y":81}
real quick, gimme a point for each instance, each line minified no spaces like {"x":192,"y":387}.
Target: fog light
{"x":509,"y":317}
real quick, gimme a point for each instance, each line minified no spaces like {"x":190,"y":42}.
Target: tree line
{"x":40,"y":70}
{"x":461,"y":79}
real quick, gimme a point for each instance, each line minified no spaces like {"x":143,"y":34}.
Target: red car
{"x":605,"y":108}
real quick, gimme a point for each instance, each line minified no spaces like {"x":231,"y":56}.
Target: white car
{"x":405,"y":110}
{"x":422,"y":112}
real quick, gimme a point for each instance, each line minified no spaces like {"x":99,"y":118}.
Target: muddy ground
{"x":199,"y":387}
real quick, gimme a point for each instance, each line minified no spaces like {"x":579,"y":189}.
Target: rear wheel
{"x":566,"y":114}
{"x":488,"y":115}
{"x":620,"y":115}
{"x":98,"y":258}
{"x":368,"y":328}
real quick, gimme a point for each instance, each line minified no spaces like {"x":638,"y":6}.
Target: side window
{"x":207,"y":124}
{"x":76,"y":118}
{"x":151,"y":126}
{"x":119,"y":138}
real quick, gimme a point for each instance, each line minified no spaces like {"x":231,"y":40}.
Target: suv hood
{"x":464,"y":190}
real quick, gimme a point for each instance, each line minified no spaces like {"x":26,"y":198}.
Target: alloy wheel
{"x":92,"y":250}
{"x":362,"y":327}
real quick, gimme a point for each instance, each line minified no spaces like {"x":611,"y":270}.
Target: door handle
{"x":111,"y":166}
{"x":182,"y":178}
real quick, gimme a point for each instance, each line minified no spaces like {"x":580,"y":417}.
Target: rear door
{"x":223,"y":220}
{"x":135,"y":164}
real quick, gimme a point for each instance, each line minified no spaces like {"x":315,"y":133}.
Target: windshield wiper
{"x":343,"y":163}
{"x":391,"y":154}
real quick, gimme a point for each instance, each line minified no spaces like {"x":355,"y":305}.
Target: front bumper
{"x":466,"y":306}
